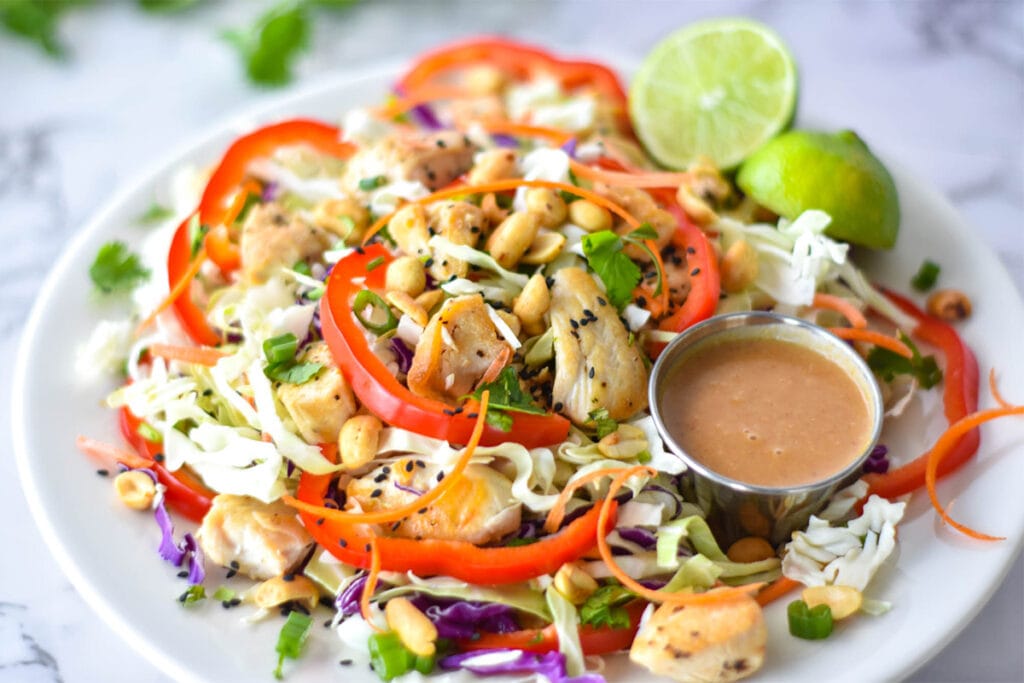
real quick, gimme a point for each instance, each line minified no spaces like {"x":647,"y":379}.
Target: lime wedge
{"x":718,"y":89}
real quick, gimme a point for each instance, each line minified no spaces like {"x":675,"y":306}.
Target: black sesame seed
{"x":386,"y":469}
{"x":103,"y":473}
{"x":342,"y":542}
{"x":159,"y":457}
{"x":440,"y":143}
{"x":360,"y":251}
{"x":421,"y":511}
{"x":346,"y":662}
{"x":558,"y":407}
{"x":420,"y":464}
{"x":575,"y":325}
{"x":394,"y":527}
{"x":429,"y":262}
{"x":320,"y":522}
{"x":234,"y":564}
{"x":550,"y":282}
{"x":446,"y":411}
{"x":472,"y":416}
{"x":376,"y":493}
{"x":183,"y":574}
{"x":440,"y":476}
{"x":591,"y":373}
{"x":691,"y":250}
{"x":408,"y":465}
{"x":601,"y":301}
{"x":231,"y":573}
{"x":368,"y":547}
{"x":641,"y":301}
{"x":235,"y":602}
{"x":379,"y":478}
{"x":695,"y":271}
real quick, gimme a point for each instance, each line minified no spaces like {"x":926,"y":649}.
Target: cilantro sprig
{"x":117,"y":269}
{"x":507,"y":395}
{"x":604,"y":607}
{"x":888,"y":364}
{"x":603,"y":423}
{"x":619,"y":273}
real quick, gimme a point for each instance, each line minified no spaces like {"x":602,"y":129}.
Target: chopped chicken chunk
{"x":320,"y":406}
{"x":273,"y":239}
{"x":718,"y":642}
{"x":479,"y":508}
{"x":434,"y":160}
{"x":457,"y":347}
{"x":596,"y":364}
{"x":266,"y":540}
{"x":459,"y":223}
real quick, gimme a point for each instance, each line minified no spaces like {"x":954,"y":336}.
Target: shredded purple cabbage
{"x":425,"y":117}
{"x":196,"y":570}
{"x":570,"y":147}
{"x":462,"y":619}
{"x":502,"y":140}
{"x":408,"y":489}
{"x":348,"y":601}
{"x":642,"y":537}
{"x":168,"y":549}
{"x":676,"y":497}
{"x":270,"y":191}
{"x":878,"y":460}
{"x":551,"y":665}
{"x":403,"y":352}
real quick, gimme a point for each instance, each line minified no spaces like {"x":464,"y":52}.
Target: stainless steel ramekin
{"x":736,"y":509}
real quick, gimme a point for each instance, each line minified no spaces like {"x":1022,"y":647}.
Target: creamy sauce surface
{"x":765,"y":411}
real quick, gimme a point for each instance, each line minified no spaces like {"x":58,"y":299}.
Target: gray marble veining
{"x":937,"y":85}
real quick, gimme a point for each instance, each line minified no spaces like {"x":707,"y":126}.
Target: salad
{"x":395,"y":373}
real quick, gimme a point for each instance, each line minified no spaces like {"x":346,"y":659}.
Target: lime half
{"x":719,"y":89}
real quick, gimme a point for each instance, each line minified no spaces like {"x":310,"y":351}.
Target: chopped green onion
{"x":193,"y":595}
{"x":292,"y":373}
{"x":303,"y":268}
{"x":367,"y":184}
{"x":374,"y":264}
{"x":367,"y":298}
{"x":291,"y":639}
{"x":643,"y":457}
{"x":315,"y":294}
{"x":809,"y":623}
{"x":280,"y":349}
{"x":926,"y":276}
{"x":223,"y":594}
{"x":196,"y":232}
{"x":604,"y":424}
{"x":149,"y":433}
{"x":390,"y":658}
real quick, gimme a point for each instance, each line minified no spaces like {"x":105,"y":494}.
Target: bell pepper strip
{"x":184,"y":493}
{"x":198,"y":355}
{"x":458,"y":559}
{"x":182,"y":268}
{"x":705,"y":282}
{"x":594,"y":640}
{"x":959,"y":398}
{"x":382,"y":393}
{"x":518,"y":61}
{"x":222,"y":188}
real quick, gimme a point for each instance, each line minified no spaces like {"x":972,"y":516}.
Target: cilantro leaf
{"x":888,"y":364}
{"x":644,"y":232}
{"x":36,"y":20}
{"x":617,"y":271}
{"x":166,"y":6}
{"x":291,"y":372}
{"x":117,"y":269}
{"x":604,"y":607}
{"x":508,"y":394}
{"x":604,"y":424}
{"x":156,"y":213}
{"x":269,"y":48}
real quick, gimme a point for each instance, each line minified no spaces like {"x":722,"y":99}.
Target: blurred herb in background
{"x":268,"y":48}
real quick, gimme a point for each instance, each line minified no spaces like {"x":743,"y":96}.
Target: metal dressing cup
{"x":736,"y":509}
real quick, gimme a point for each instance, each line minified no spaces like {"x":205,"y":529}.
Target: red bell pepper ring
{"x":218,"y":196}
{"x":458,"y":559}
{"x":520,"y":61}
{"x":186,"y":496}
{"x":382,"y":393}
{"x":594,"y":640}
{"x":959,"y":398}
{"x":705,"y":281}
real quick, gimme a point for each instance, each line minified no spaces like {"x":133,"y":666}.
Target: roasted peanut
{"x":408,"y":227}
{"x":950,"y":305}
{"x":533,"y":302}
{"x":484,"y":80}
{"x":411,"y":626}
{"x":358,"y":440}
{"x":135,"y":489}
{"x":287,"y":588}
{"x":430,"y":299}
{"x":494,"y":164}
{"x":739,"y":266}
{"x":548,"y":206}
{"x":512,"y":238}
{"x":545,"y":248}
{"x":406,"y":274}
{"x":345,"y":218}
{"x":750,"y":549}
{"x":512,"y":320}
{"x":842,"y":600}
{"x":407,"y":305}
{"x":695,"y":207}
{"x":625,"y":442}
{"x":590,"y":216}
{"x":574,"y":584}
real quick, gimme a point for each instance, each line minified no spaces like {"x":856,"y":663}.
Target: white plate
{"x":940,"y":581}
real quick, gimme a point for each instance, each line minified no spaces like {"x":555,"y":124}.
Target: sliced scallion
{"x":367,"y":298}
{"x":291,"y":639}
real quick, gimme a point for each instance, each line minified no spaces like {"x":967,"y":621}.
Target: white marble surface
{"x":937,"y":85}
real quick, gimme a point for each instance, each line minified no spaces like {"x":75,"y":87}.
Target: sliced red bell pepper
{"x":184,"y":493}
{"x":191,"y":317}
{"x":705,"y":282}
{"x":382,"y":393}
{"x":458,"y":559}
{"x":594,"y":640}
{"x":520,"y":61}
{"x":959,"y":398}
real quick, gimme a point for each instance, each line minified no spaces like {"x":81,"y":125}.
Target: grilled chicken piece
{"x":479,"y":508}
{"x":717,"y":642}
{"x":266,"y":540}
{"x":271,"y":239}
{"x":434,"y":160}
{"x":641,"y":205}
{"x":457,"y":347}
{"x":320,"y":406}
{"x":459,"y":223}
{"x":596,"y":365}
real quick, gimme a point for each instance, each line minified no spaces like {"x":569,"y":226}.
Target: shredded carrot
{"x":503,"y":186}
{"x":711,"y":596}
{"x":994,"y":389}
{"x":199,"y":355}
{"x":110,"y":453}
{"x":556,"y":136}
{"x":638,"y":178}
{"x":422,"y":95}
{"x":663,"y":297}
{"x":371,"y":585}
{"x":849,"y":311}
{"x":557,"y":512}
{"x":949,"y":439}
{"x":872,"y":337}
{"x":496,"y":366}
{"x":176,"y":291}
{"x":238,"y":203}
{"x":395,"y":514}
{"x":776,"y":589}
